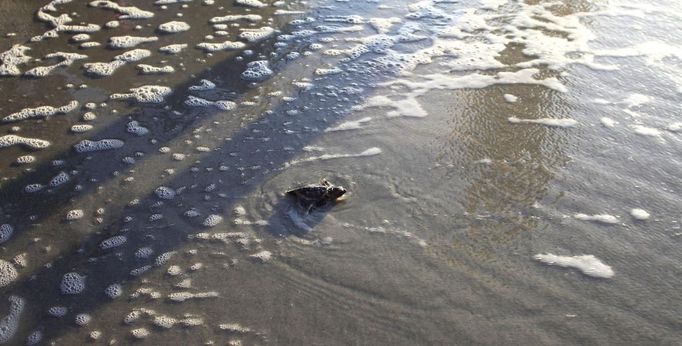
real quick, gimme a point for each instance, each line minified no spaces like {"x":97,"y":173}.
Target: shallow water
{"x":472,"y":136}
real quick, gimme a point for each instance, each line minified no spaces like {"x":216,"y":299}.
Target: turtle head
{"x":335,"y":192}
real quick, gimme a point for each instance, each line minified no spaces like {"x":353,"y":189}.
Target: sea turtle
{"x":317,"y":195}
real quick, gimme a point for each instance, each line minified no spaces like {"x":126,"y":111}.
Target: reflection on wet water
{"x":493,"y":153}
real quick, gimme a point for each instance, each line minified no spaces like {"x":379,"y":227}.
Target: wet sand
{"x":471,"y":137}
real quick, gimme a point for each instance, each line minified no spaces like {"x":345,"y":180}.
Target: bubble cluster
{"x":164,"y":192}
{"x":6,"y":232}
{"x":257,"y":35}
{"x":163,"y":258}
{"x":227,"y":45}
{"x":139,"y":333}
{"x":144,"y":252}
{"x":74,"y":214}
{"x":72,"y":283}
{"x":212,"y":220}
{"x":8,"y":273}
{"x":80,"y":128}
{"x":113,"y":291}
{"x":83,"y":319}
{"x":149,"y":69}
{"x":10,"y":323}
{"x":58,"y":311}
{"x":173,"y":48}
{"x":113,"y":242}
{"x":204,"y":84}
{"x":33,"y":143}
{"x":257,"y":71}
{"x":250,"y":3}
{"x":12,"y":58}
{"x":183,"y":296}
{"x":127,"y":12}
{"x":145,"y":94}
{"x":105,"y":69}
{"x":173,"y":27}
{"x":86,"y":146}
{"x":34,"y":338}
{"x":60,"y":179}
{"x":193,"y":101}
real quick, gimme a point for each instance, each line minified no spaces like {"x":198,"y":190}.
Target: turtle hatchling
{"x":317,"y":195}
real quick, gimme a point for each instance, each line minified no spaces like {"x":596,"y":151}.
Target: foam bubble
{"x":234,"y":328}
{"x":114,"y":291}
{"x":40,"y":112}
{"x":257,"y":71}
{"x":33,"y":143}
{"x":34,"y":338}
{"x":640,"y":214}
{"x":80,"y":128}
{"x":144,"y":252}
{"x":59,"y":179}
{"x":74,"y":214}
{"x":235,"y":17}
{"x":25,"y":159}
{"x":8,"y":273}
{"x":173,"y":27}
{"x":164,"y":192}
{"x":646,"y":131}
{"x":608,"y":122}
{"x":86,"y":146}
{"x":602,"y":218}
{"x":164,"y":321}
{"x":204,"y":84}
{"x":145,"y":94}
{"x":121,"y":42}
{"x":369,"y":152}
{"x":135,"y":128}
{"x":139,"y":333}
{"x":552,"y":122}
{"x":262,"y":256}
{"x":183,"y":296}
{"x":327,"y":71}
{"x":6,"y":231}
{"x":174,"y":270}
{"x":31,"y":188}
{"x":587,"y":264}
{"x":127,"y":12}
{"x":141,"y":270}
{"x":256,"y":35}
{"x":58,"y":311}
{"x":72,"y":283}
{"x":173,"y":48}
{"x":133,"y":55}
{"x":163,"y":258}
{"x":193,"y":101}
{"x":149,"y":69}
{"x":212,"y":220}
{"x":83,"y":319}
{"x":227,"y":45}
{"x":67,"y":60}
{"x":113,"y":242}
{"x":349,"y":125}
{"x":10,"y":323}
{"x":250,"y":3}
{"x":510,"y":98}
{"x":86,"y":45}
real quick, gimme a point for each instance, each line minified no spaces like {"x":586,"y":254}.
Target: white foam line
{"x":369,"y":152}
{"x":587,"y":264}
{"x":545,"y":121}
